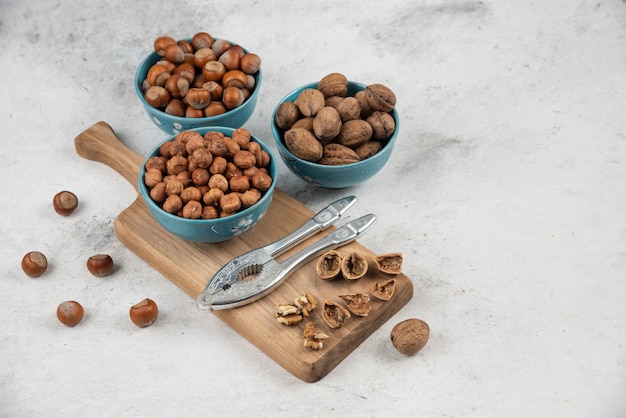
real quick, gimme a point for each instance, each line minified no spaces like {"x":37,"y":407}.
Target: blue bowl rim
{"x":283,"y":148}
{"x":207,"y":222}
{"x":206,"y":121}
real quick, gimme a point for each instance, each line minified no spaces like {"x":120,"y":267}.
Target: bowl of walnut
{"x":208,"y":184}
{"x":198,"y":82}
{"x":336,"y":133}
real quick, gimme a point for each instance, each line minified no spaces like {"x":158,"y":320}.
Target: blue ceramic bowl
{"x":234,"y":118}
{"x":210,"y":230}
{"x":333,"y":176}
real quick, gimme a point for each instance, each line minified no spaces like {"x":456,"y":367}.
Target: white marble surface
{"x":506,"y":193}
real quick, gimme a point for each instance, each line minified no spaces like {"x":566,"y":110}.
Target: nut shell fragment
{"x":358,"y":304}
{"x":329,"y":265}
{"x":389,"y":263}
{"x":354,"y":266}
{"x":334,"y":314}
{"x":384,"y":290}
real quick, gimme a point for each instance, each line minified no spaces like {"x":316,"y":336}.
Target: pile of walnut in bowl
{"x":337,"y":122}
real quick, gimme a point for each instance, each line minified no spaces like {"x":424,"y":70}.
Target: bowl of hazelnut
{"x":336,"y":133}
{"x":208,"y":184}
{"x":198,"y":82}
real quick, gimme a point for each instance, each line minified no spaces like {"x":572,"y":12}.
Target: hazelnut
{"x":202,"y":56}
{"x":173,"y":204}
{"x":34,"y":264}
{"x":410,"y":336}
{"x":250,"y":197}
{"x":100,"y":265}
{"x":198,"y":98}
{"x":250,"y":63}
{"x":192,"y":210}
{"x":234,"y":78}
{"x":230,"y":203}
{"x":261,"y":181}
{"x":214,"y":109}
{"x":174,"y":53}
{"x":157,"y":96}
{"x":244,"y":159}
{"x":70,"y":313}
{"x":239,"y":184}
{"x":144,"y":313}
{"x":161,"y":43}
{"x":202,"y":40}
{"x":177,"y":86}
{"x":158,"y":75}
{"x":64,"y":203}
{"x":232,"y":97}
{"x":175,"y":107}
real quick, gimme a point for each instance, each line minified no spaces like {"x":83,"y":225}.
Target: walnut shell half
{"x":389,"y":263}
{"x":334,"y":314}
{"x":384,"y":290}
{"x":328,"y":265}
{"x":354,"y":266}
{"x":358,"y":303}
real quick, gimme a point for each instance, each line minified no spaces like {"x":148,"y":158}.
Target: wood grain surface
{"x":190,"y":265}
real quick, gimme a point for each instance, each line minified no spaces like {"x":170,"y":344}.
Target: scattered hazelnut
{"x":70,"y":313}
{"x":410,"y":336}
{"x":100,"y":265}
{"x":144,"y":313}
{"x":34,"y":264}
{"x":65,"y":203}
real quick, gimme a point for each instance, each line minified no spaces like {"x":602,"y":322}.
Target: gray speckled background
{"x":505,"y":193}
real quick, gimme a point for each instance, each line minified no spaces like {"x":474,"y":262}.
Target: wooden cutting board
{"x":190,"y":265}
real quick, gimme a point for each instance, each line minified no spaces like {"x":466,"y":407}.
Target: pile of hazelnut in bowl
{"x":336,"y":133}
{"x":197,"y":82}
{"x":208,"y":184}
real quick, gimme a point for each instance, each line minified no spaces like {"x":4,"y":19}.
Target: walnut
{"x":305,"y":303}
{"x":389,"y":263}
{"x":368,"y":149}
{"x":312,"y":338}
{"x":410,"y":336}
{"x":286,"y":115}
{"x":327,"y":124}
{"x":358,"y":303}
{"x":334,"y":84}
{"x":303,"y":144}
{"x":382,"y":124}
{"x":334,"y":314}
{"x":384,"y":290}
{"x":328,"y":265}
{"x":288,"y":314}
{"x":380,"y":97}
{"x":337,"y":154}
{"x":348,"y":109}
{"x":309,"y":102}
{"x":304,"y":123}
{"x":355,"y":133}
{"x":354,"y":266}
